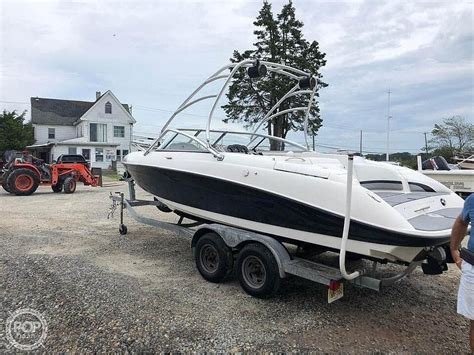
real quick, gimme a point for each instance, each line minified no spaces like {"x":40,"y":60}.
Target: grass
{"x":110,"y":175}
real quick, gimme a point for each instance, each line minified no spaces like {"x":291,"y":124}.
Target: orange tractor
{"x":23,"y":176}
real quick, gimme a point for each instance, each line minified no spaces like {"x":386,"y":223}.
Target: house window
{"x":72,"y":150}
{"x":118,"y":155}
{"x":86,"y":153}
{"x":119,"y":131}
{"x":98,"y":132}
{"x":108,"y":107}
{"x":51,"y":133}
{"x":99,"y":154}
{"x":124,"y":152}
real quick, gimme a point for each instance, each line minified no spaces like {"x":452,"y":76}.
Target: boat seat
{"x":237,"y":148}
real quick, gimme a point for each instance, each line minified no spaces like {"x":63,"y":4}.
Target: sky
{"x":153,"y":54}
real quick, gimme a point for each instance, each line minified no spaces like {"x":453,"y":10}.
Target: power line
{"x":352,"y":129}
{"x":14,"y":102}
{"x":147,"y":108}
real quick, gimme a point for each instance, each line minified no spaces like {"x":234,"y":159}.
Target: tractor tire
{"x":57,"y":188}
{"x":5,"y":185}
{"x":23,"y":182}
{"x":69,"y":185}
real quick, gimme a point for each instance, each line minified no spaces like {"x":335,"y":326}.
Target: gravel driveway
{"x":99,"y":291}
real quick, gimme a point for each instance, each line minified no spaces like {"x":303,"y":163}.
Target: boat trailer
{"x":237,"y":243}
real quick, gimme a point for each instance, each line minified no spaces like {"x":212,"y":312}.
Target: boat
{"x":461,"y":181}
{"x":293,"y":194}
{"x":465,"y":161}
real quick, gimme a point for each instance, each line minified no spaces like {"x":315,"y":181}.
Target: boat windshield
{"x":224,"y":141}
{"x":176,"y":141}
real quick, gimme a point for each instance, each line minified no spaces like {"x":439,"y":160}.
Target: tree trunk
{"x":278,"y":129}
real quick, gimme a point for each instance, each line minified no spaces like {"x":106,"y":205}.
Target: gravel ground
{"x":100,"y":291}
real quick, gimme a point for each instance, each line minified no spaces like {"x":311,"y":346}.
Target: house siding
{"x":57,"y":150}
{"x":61,"y":133}
{"x":118,"y":117}
{"x":81,"y":129}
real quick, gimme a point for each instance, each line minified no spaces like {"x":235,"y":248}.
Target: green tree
{"x":15,"y":134}
{"x":279,"y":40}
{"x":454,"y":135}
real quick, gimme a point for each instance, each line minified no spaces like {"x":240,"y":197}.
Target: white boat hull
{"x":460,"y":181}
{"x":295,"y":199}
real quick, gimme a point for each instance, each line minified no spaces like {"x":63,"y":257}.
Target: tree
{"x":454,"y":135}
{"x":279,"y":40}
{"x":15,"y":134}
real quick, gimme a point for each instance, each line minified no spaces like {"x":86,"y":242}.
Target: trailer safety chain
{"x":112,"y":208}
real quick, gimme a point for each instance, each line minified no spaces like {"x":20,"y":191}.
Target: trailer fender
{"x":237,"y":238}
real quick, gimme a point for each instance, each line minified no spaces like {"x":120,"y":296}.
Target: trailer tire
{"x":213,"y":257}
{"x":258,"y":271}
{"x":5,"y":184}
{"x":23,"y":182}
{"x":69,"y":185}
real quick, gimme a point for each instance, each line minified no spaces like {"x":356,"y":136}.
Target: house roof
{"x":60,"y":112}
{"x":57,"y":112}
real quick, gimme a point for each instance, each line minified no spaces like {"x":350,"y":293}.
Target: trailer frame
{"x":234,"y":238}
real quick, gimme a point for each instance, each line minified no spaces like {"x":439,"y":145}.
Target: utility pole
{"x":360,"y":143}
{"x":387,"y":155}
{"x":426,"y":142}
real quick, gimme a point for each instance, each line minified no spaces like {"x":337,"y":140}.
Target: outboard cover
{"x":436,"y":163}
{"x":441,"y":163}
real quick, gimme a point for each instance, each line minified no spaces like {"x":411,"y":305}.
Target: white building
{"x":101,"y":130}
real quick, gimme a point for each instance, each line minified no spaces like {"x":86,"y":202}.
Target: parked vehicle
{"x":22,"y":175}
{"x":72,"y":158}
{"x":461,"y":181}
{"x":465,"y":161}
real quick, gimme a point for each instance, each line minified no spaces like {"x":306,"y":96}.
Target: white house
{"x":101,"y":130}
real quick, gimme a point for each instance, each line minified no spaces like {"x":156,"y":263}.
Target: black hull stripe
{"x":240,"y":201}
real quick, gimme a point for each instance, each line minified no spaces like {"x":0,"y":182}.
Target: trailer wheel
{"x":258,"y":271}
{"x":122,"y":229}
{"x":57,"y":188}
{"x":213,"y":257}
{"x":69,"y":185}
{"x":5,"y":184}
{"x":23,"y":182}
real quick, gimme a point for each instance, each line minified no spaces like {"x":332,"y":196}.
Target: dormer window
{"x":108,"y":107}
